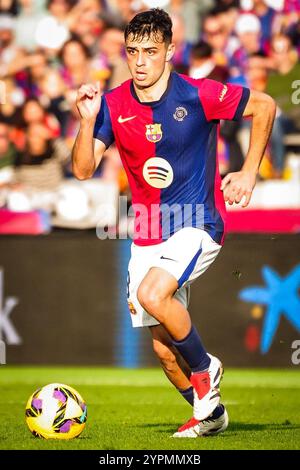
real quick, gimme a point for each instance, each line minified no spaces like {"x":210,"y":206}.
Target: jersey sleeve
{"x":222,"y":101}
{"x":103,"y":126}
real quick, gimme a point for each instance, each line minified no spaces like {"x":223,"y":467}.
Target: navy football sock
{"x":218,"y":411}
{"x":188,"y":394}
{"x":192,"y":350}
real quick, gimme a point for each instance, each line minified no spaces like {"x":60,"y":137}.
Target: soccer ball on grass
{"x":56,"y":411}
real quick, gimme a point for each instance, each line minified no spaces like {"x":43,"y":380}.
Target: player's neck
{"x":155,"y":91}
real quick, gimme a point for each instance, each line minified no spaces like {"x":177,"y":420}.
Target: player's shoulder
{"x":119,"y":92}
{"x":200,"y":87}
{"x":189,"y":81}
{"x":201,"y":83}
{"x":208,"y":88}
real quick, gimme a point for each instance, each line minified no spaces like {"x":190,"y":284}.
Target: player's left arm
{"x":261,"y":108}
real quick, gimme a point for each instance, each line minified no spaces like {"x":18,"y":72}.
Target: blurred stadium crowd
{"x":48,"y":48}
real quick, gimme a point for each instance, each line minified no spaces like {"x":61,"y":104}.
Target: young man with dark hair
{"x":165,"y":127}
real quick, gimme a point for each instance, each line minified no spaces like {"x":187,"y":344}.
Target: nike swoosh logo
{"x":121,"y":120}
{"x":171,"y":259}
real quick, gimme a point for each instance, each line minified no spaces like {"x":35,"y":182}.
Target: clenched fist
{"x":88,"y":101}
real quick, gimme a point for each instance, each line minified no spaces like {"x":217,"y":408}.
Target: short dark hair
{"x":155,"y":22}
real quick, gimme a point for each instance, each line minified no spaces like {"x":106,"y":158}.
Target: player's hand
{"x":237,"y":185}
{"x":88,"y":101}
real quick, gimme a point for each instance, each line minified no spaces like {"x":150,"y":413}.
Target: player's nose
{"x":140,"y":59}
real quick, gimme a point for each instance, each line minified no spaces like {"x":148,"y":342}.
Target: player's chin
{"x":141,"y":80}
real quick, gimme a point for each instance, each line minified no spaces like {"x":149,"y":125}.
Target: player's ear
{"x":170,"y":52}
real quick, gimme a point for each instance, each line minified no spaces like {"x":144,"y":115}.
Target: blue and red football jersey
{"x":168,"y":149}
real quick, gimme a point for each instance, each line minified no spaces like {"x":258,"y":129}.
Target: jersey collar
{"x":152,"y":103}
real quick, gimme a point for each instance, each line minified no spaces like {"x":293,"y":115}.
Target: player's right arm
{"x":87,"y":152}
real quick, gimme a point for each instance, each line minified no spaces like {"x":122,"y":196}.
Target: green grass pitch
{"x":139,"y":409}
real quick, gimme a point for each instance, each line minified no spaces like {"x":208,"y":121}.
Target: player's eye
{"x":151,"y":52}
{"x":131,"y":51}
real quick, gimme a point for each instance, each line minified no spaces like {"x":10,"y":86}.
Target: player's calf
{"x":165,"y":356}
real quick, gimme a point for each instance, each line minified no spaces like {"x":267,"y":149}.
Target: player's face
{"x":147,"y":60}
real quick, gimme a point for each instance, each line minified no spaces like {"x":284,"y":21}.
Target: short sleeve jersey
{"x":169,"y":151}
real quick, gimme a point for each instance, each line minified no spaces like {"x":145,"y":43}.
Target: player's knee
{"x":151,"y":300}
{"x":166,"y":357}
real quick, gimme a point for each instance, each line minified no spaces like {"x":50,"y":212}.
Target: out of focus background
{"x":62,"y":289}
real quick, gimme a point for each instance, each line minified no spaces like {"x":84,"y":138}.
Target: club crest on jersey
{"x":180,"y":113}
{"x":158,"y":172}
{"x":153,"y":132}
{"x":131,"y":308}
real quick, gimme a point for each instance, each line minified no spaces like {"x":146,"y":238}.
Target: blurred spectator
{"x":203,"y":65}
{"x":31,"y":13}
{"x":266,"y":16}
{"x":288,"y":17}
{"x":249,"y":33}
{"x":256,"y":72}
{"x":10,"y":7}
{"x":40,"y":166}
{"x":228,"y":15}
{"x":8,"y":155}
{"x":279,"y":85}
{"x":48,"y":48}
{"x":286,"y":71}
{"x":248,"y":30}
{"x":10,"y":54}
{"x":34,"y":77}
{"x":34,"y":113}
{"x":77,"y":68}
{"x":14,"y":99}
{"x":114,"y":66}
{"x":54,"y":97}
{"x":31,"y":72}
{"x":191,"y":12}
{"x":27,"y":68}
{"x":123,"y":9}
{"x":294,"y":33}
{"x":75,"y":58}
{"x":181,"y":56}
{"x":257,"y":75}
{"x":52,"y":30}
{"x":216,"y":35}
{"x":89,"y":24}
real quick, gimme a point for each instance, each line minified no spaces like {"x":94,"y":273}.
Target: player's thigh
{"x":138,"y":267}
{"x":187,"y":254}
{"x":140,"y":263}
{"x":157,"y":285}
